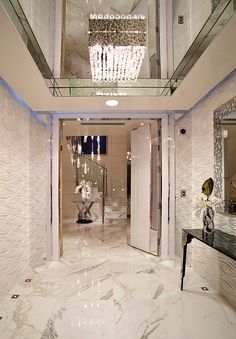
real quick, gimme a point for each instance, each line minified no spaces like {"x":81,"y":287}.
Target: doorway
{"x":159,"y":231}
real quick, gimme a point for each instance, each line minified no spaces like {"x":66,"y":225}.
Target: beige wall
{"x":23,"y":200}
{"x":195,"y":163}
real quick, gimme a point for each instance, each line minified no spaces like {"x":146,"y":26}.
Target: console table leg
{"x":186,"y":239}
{"x":183,"y":265}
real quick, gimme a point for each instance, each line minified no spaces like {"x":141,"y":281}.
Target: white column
{"x":172,"y":186}
{"x":168,"y":189}
{"x":55,"y":248}
{"x":165,"y":190}
{"x":49,"y":182}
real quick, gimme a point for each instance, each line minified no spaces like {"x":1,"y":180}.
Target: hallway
{"x":102,"y":288}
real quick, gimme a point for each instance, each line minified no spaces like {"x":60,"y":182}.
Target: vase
{"x":208,"y":220}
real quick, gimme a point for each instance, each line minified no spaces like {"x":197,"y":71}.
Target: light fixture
{"x":74,"y":145}
{"x":112,"y":103}
{"x":129,"y":156}
{"x":116,"y":46}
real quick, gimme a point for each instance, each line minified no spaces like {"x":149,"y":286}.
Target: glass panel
{"x":86,"y":87}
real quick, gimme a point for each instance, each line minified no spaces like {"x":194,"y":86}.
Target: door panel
{"x":140,"y":187}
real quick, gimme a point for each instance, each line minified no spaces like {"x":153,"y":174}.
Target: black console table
{"x":221,"y":241}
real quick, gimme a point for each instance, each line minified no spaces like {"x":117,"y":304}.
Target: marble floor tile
{"x":200,"y":315}
{"x":139,"y":318}
{"x":145,"y":286}
{"x":103,"y":288}
{"x":25,"y":317}
{"x":81,"y":319}
{"x":123,"y":264}
{"x":182,"y":317}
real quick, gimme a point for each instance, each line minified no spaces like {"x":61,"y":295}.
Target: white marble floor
{"x":102,"y":288}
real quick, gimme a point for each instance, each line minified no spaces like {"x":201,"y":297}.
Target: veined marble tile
{"x":200,"y":315}
{"x":123,"y":264}
{"x":139,"y":318}
{"x":182,"y":317}
{"x":143,"y":286}
{"x":83,"y":287}
{"x":94,"y":267}
{"x":119,"y":292}
{"x":24,"y":317}
{"x":76,"y":319}
{"x":126,"y":250}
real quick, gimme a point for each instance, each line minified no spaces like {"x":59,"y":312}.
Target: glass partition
{"x":86,"y":87}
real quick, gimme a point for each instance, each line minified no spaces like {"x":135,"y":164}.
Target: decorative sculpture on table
{"x":206,"y":206}
{"x":85,"y":189}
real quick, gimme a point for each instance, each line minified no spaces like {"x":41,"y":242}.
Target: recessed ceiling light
{"x":142,"y":124}
{"x":78,"y":119}
{"x":112,"y":103}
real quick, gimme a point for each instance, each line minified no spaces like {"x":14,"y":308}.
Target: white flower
{"x":203,"y":202}
{"x":85,"y":189}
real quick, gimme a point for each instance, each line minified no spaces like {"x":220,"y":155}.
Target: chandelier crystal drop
{"x":116,"y":47}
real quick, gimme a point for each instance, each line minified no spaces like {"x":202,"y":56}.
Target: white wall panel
{"x":38,"y":202}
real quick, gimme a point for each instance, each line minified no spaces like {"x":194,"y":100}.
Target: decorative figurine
{"x":206,"y":205}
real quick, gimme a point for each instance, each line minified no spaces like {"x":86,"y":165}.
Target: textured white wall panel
{"x":183,"y":178}
{"x":17,"y":224}
{"x":14,"y":190}
{"x":195,"y":158}
{"x":38,"y":204}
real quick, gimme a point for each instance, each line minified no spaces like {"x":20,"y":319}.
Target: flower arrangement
{"x":85,"y":188}
{"x":206,"y":205}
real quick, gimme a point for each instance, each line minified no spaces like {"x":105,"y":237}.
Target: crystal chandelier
{"x":74,"y":144}
{"x":116,"y":46}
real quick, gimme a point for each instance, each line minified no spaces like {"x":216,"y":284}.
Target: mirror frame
{"x":221,"y":112}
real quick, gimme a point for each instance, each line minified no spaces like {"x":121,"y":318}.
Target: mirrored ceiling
{"x":177,"y":33}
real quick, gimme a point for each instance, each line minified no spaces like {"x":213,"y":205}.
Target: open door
{"x":140,"y":187}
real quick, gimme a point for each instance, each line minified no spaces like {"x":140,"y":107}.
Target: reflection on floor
{"x":102,"y":288}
